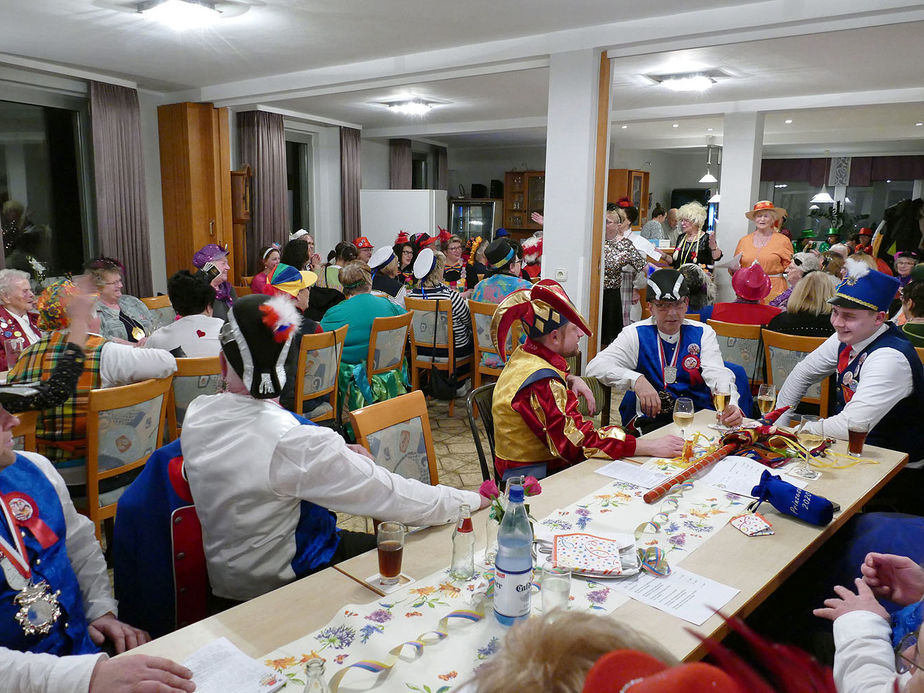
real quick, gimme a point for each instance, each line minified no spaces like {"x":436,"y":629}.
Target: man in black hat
{"x":263,"y":478}
{"x":55,"y":597}
{"x":666,"y":357}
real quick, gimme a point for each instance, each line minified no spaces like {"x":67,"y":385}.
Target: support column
{"x":570,"y":165}
{"x":742,"y":147}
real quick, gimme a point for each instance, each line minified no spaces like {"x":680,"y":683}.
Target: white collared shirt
{"x":26,"y":326}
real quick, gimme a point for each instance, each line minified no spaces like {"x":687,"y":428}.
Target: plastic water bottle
{"x":463,"y":546}
{"x":513,"y":567}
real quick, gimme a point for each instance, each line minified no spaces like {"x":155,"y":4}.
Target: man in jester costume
{"x":56,"y":605}
{"x":665,"y":357}
{"x":263,"y":478}
{"x":537,"y":426}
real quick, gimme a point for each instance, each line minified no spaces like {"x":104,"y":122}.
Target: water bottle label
{"x":512,"y":592}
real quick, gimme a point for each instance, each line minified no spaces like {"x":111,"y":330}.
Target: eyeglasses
{"x":672,"y":306}
{"x":904,"y":663}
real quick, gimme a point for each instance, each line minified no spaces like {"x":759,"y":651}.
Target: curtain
{"x":118,"y":172}
{"x":861,"y":171}
{"x":399,"y":164}
{"x":263,"y":146}
{"x":442,"y":168}
{"x":350,"y":181}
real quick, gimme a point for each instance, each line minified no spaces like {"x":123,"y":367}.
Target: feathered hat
{"x":532,"y":249}
{"x":864,"y":288}
{"x":256,"y":339}
{"x":540,"y":309}
{"x":402,"y":238}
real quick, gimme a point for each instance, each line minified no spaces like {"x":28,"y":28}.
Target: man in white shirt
{"x":880,"y":380}
{"x":195,"y":333}
{"x":263,"y":478}
{"x":49,"y":551}
{"x":665,"y":357}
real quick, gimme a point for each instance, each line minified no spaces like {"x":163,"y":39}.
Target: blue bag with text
{"x":792,"y":500}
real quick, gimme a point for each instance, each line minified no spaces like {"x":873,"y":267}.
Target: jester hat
{"x":540,"y":309}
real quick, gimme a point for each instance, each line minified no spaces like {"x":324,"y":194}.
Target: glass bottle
{"x":314,"y":673}
{"x":463,"y":546}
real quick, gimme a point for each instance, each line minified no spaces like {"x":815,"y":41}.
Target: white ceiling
{"x":858,"y":89}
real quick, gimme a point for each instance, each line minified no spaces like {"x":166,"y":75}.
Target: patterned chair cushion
{"x":744,"y":352}
{"x":401,"y":449}
{"x":782,"y":362}
{"x":389,"y":348}
{"x":187,"y":387}
{"x":128,"y":434}
{"x":423,"y":327}
{"x":320,"y":370}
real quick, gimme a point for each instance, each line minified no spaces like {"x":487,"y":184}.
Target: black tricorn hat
{"x":666,"y":285}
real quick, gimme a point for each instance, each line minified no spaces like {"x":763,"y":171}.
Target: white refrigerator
{"x":384,"y":213}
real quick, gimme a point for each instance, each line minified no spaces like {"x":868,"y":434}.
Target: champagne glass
{"x":766,"y":398}
{"x":683,"y":414}
{"x":720,"y":397}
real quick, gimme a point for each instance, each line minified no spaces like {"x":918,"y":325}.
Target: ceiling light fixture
{"x":411,"y":105}
{"x":715,"y":198}
{"x":823,"y":197}
{"x":180,"y":14}
{"x":675,"y":125}
{"x":708,"y":178}
{"x":788,"y":121}
{"x":691,"y":82}
{"x":917,"y":125}
{"x":624,"y":127}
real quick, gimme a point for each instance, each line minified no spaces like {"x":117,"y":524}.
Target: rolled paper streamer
{"x":697,"y":466}
{"x":791,"y":500}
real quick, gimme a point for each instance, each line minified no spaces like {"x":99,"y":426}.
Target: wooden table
{"x":755,"y":566}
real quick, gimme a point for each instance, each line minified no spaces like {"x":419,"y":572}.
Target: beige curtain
{"x":118,"y":172}
{"x":263,"y":146}
{"x":350,"y":182}
{"x":399,"y":164}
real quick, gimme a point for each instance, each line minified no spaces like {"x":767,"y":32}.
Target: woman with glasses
{"x":123,"y":318}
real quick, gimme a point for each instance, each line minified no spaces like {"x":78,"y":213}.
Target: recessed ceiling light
{"x":675,"y":125}
{"x":917,"y":125}
{"x":411,"y":105}
{"x":624,"y":127}
{"x":180,"y":14}
{"x":788,"y":121}
{"x":708,"y":129}
{"x":693,"y":82}
{"x":888,"y":180}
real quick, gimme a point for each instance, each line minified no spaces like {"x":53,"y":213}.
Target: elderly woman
{"x":428,"y":269}
{"x":808,"y":312}
{"x":123,"y":318}
{"x":62,"y":430}
{"x":269,"y":258}
{"x":18,"y":320}
{"x":212,"y":260}
{"x":385,"y":276}
{"x":767,"y":246}
{"x":802,"y":264}
{"x":622,"y":264}
{"x":693,"y":244}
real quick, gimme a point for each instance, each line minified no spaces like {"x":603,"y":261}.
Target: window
{"x":298,"y":175}
{"x":874,"y":199}
{"x":43,"y":189}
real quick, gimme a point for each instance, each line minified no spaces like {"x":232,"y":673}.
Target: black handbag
{"x":442,"y":385}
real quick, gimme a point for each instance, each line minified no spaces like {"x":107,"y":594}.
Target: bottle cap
{"x":516,"y":494}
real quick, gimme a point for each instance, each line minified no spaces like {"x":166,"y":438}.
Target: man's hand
{"x":140,"y":674}
{"x":360,"y":450}
{"x":846,"y":601}
{"x":732,"y":416}
{"x":896,"y":578}
{"x":647,"y":397}
{"x":122,"y":635}
{"x":580,"y":388}
{"x":665,"y":446}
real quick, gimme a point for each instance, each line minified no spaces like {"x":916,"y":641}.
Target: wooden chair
{"x":386,"y":344}
{"x":193,"y":377}
{"x":482,"y":315}
{"x":242,"y":290}
{"x":246,"y":280}
{"x":741,"y":344}
{"x":24,"y":432}
{"x":161,"y":310}
{"x":124,"y":426}
{"x":920,"y":351}
{"x":692,"y":316}
{"x":783,"y":352}
{"x":318,"y":372}
{"x":397,"y":434}
{"x":432,"y":316}
{"x":602,"y":396}
{"x":478,"y":405}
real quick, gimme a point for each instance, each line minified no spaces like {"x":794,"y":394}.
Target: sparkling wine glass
{"x":683,"y":414}
{"x":766,"y":398}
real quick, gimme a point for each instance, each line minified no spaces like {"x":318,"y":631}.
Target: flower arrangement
{"x":489,"y":490}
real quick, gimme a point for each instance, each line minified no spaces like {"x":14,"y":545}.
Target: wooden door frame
{"x":600,"y":180}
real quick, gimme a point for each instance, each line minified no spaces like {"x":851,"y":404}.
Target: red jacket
{"x":745,"y":313}
{"x":10,"y":329}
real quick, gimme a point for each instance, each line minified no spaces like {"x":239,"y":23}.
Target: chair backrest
{"x":430,"y":316}
{"x":24,"y":432}
{"x":602,"y":397}
{"x":397,"y":434}
{"x":740,"y":344}
{"x":920,"y":351}
{"x":124,"y":426}
{"x":319,"y":367}
{"x":162,"y":312}
{"x":386,"y":343}
{"x":193,"y":377}
{"x":575,"y":362}
{"x":692,"y":316}
{"x":480,"y":399}
{"x":482,"y":315}
{"x":242,"y":290}
{"x":783,"y":352}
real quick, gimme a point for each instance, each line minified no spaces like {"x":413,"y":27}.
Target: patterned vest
{"x":513,"y":440}
{"x":62,"y":430}
{"x":895,"y":430}
{"x":689,"y":382}
{"x":68,"y":635}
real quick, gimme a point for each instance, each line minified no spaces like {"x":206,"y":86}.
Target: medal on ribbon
{"x":668,"y":371}
{"x":137,"y":333}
